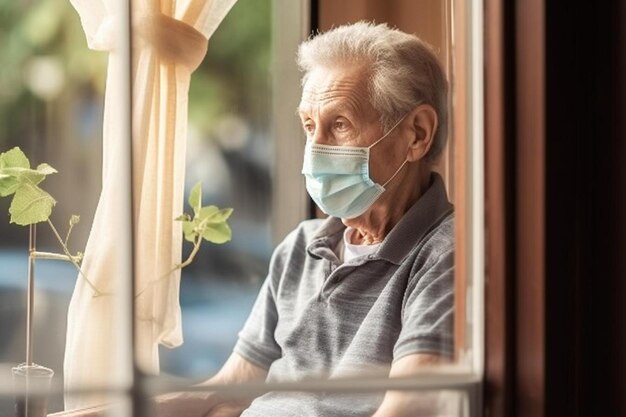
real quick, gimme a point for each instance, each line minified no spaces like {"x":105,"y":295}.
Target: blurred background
{"x":51,"y":103}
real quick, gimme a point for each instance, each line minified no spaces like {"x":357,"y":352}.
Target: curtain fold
{"x":169,"y":42}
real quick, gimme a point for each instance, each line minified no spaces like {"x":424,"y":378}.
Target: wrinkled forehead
{"x":344,"y":86}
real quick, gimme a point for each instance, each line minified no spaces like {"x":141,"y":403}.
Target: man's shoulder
{"x":300,"y":237}
{"x":310,"y":227}
{"x":443,"y":232}
{"x":439,"y":241}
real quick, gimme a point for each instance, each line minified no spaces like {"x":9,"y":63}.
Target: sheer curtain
{"x":170,"y":40}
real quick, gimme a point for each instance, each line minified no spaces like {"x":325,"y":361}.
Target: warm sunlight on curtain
{"x":169,"y":42}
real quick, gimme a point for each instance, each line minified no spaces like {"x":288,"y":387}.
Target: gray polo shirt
{"x":318,"y":317}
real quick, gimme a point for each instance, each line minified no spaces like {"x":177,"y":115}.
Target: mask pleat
{"x":346,"y":183}
{"x":356,"y":207}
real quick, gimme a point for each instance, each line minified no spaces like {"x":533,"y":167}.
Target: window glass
{"x":51,"y":105}
{"x":51,"y":98}
{"x":230,"y":150}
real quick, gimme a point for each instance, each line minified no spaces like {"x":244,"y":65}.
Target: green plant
{"x":31,"y":205}
{"x":207,"y":223}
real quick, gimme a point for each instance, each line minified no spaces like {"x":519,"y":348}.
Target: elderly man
{"x":370,"y":287}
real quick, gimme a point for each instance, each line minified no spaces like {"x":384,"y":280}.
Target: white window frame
{"x":290,"y":202}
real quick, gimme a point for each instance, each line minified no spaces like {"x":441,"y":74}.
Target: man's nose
{"x":319,"y":137}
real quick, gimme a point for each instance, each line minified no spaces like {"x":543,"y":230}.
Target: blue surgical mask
{"x":338,"y":179}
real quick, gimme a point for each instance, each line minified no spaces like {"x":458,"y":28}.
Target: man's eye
{"x":341,"y":125}
{"x":309,"y":128}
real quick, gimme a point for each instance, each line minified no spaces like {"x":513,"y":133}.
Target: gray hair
{"x":405,"y":71}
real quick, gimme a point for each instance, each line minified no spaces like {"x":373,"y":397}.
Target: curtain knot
{"x":174,"y":41}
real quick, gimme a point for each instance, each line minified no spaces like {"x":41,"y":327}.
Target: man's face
{"x":335,"y":110}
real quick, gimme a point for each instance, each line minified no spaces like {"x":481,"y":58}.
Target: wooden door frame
{"x":555,"y":208}
{"x":514,"y":137}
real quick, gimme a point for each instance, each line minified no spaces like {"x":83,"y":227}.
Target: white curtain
{"x":169,"y":41}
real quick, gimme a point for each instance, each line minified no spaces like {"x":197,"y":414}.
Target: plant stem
{"x":187,"y":262}
{"x":72,"y":260}
{"x":69,"y":231}
{"x":54,"y":256}
{"x":192,"y":255}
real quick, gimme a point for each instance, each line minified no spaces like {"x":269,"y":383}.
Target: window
{"x":229,"y":149}
{"x":243,"y":144}
{"x":51,"y":107}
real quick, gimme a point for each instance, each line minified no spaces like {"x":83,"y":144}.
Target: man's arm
{"x":407,"y":403}
{"x":209,"y":404}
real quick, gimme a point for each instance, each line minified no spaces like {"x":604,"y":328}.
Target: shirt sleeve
{"x":256,"y":341}
{"x":428,"y":310}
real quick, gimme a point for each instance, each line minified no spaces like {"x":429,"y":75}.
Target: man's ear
{"x":424,"y":122}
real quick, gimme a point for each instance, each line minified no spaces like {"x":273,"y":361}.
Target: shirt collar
{"x":429,"y":210}
{"x":326,"y":239}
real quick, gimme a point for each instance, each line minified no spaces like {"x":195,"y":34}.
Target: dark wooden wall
{"x":556,"y":184}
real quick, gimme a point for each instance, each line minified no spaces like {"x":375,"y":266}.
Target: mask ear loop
{"x":384,"y":136}
{"x":388,"y":133}
{"x":395,"y":173}
{"x":393,"y":127}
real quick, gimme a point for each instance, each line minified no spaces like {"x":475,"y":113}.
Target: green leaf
{"x":24,"y":174}
{"x":217,"y":233}
{"x":8,"y":184}
{"x":213,"y":214}
{"x":14,"y":158}
{"x":183,"y":218}
{"x":15,"y":170}
{"x":30,"y":205}
{"x":208,"y":222}
{"x":46,"y":169}
{"x":9,"y":160}
{"x":222,"y":215}
{"x":195,"y":198}
{"x":188,"y":231}
{"x":206,"y":213}
{"x":12,"y":178}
